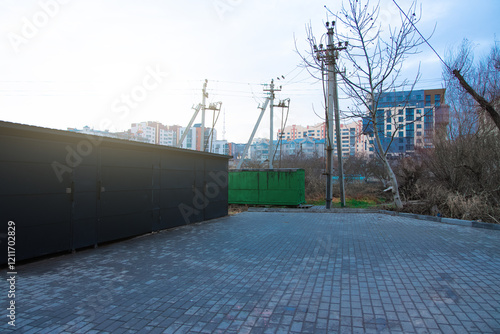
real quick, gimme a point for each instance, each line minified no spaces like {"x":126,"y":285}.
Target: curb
{"x":313,"y":210}
{"x":449,"y":221}
{"x":443,"y":220}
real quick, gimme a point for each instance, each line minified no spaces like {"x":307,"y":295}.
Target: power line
{"x":425,"y":39}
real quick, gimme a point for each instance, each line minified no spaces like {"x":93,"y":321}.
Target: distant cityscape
{"x":402,"y":128}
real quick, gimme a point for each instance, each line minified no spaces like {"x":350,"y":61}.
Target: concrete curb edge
{"x":443,"y":220}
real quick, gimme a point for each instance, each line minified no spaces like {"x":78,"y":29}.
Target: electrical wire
{"x":425,"y":39}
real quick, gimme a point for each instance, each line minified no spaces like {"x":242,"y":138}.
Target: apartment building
{"x":156,"y":132}
{"x":407,"y":120}
{"x":351,"y":135}
{"x":292,"y":132}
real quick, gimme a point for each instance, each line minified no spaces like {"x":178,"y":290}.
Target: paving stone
{"x":273,"y":272}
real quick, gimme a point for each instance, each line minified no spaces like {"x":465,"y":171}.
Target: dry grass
{"x":237,"y":208}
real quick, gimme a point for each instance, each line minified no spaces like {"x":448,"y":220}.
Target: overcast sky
{"x":109,"y":63}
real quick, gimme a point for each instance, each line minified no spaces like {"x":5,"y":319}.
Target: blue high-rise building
{"x":407,"y":120}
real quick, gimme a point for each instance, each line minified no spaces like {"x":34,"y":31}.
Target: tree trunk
{"x":495,"y":115}
{"x":392,"y":177}
{"x":394,"y":184}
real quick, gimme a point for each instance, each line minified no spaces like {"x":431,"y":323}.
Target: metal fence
{"x":66,"y":191}
{"x":281,"y":186}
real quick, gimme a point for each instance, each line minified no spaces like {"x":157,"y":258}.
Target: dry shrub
{"x":314,"y":168}
{"x":473,"y":208}
{"x":315,"y":178}
{"x":364,"y":191}
{"x":459,"y":178}
{"x":315,"y":188}
{"x":234,"y":209}
{"x":437,"y":200}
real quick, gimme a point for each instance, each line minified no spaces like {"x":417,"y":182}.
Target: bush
{"x":459,"y":178}
{"x":437,"y":200}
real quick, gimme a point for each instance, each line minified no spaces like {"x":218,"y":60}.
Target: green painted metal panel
{"x":267,"y":187}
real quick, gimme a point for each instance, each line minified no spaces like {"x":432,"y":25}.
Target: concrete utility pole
{"x":203,"y":101}
{"x":184,"y":135}
{"x":247,"y":147}
{"x":330,"y":55}
{"x":271,"y":91}
{"x":215,"y":107}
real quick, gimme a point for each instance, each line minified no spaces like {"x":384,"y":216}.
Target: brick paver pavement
{"x":272,"y":273}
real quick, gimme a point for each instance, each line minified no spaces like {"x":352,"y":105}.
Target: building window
{"x":437,"y":100}
{"x":389,"y":127}
{"x":427,"y":100}
{"x":410,"y":112}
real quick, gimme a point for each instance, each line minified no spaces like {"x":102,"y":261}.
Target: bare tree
{"x":373,"y":63}
{"x":480,"y":81}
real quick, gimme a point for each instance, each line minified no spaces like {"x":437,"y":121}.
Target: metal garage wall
{"x":65,"y":191}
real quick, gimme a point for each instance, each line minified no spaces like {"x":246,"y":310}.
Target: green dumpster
{"x":267,"y":186}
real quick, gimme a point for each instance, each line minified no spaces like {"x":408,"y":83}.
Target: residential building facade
{"x":303,"y":147}
{"x":156,"y":132}
{"x":406,"y":121}
{"x":168,"y":135}
{"x":292,"y":132}
{"x":351,"y":135}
